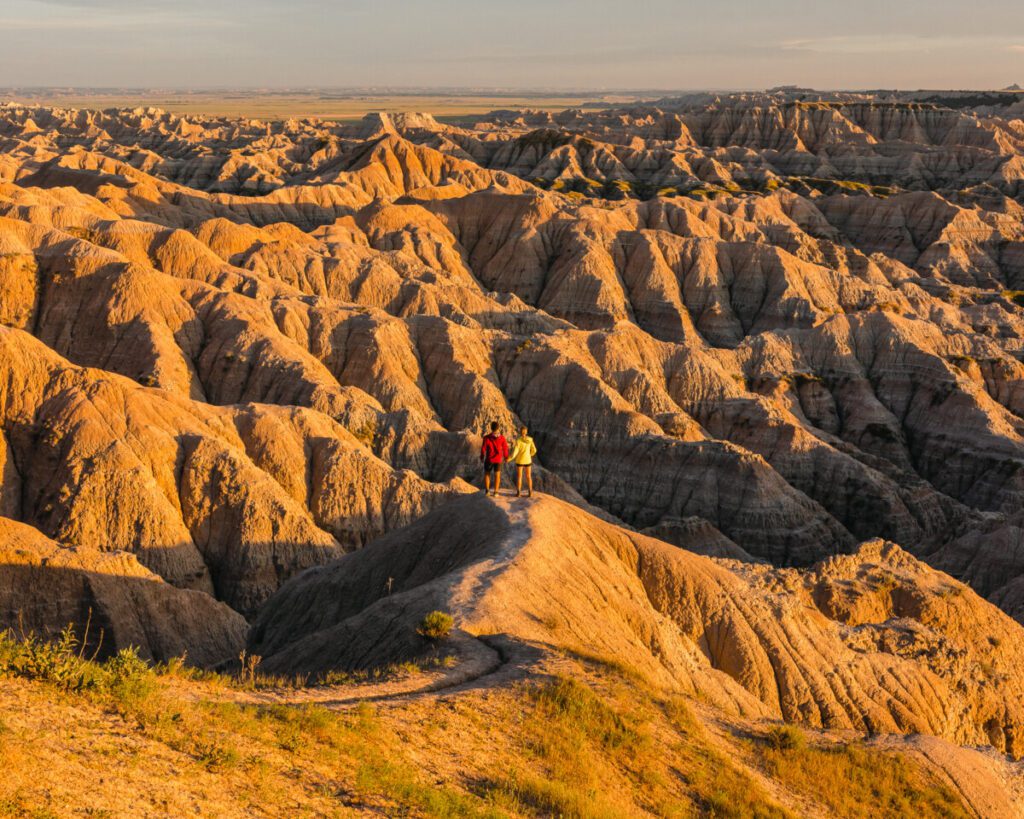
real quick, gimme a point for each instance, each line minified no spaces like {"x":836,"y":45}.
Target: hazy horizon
{"x":511,"y":90}
{"x":571,"y":45}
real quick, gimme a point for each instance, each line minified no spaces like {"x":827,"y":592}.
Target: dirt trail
{"x":487,"y":662}
{"x":484,"y":661}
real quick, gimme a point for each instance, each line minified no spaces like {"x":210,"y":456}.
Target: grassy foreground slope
{"x":589,"y":739}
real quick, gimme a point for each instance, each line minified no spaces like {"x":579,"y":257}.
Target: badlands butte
{"x":770,"y":348}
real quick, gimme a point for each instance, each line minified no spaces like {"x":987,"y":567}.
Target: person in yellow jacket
{"x":523,"y":451}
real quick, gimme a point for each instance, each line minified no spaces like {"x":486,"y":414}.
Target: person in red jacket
{"x":493,"y":453}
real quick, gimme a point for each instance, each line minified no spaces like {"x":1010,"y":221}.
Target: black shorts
{"x":492,"y":468}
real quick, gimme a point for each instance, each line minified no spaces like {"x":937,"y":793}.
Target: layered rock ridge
{"x":772,"y":329}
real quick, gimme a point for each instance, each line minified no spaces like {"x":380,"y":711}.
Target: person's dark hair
{"x":494,"y":426}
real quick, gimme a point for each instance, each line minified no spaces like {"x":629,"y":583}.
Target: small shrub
{"x":365,"y":433}
{"x":249,"y":664}
{"x":128,"y":679}
{"x":125,"y":678}
{"x":214,"y":754}
{"x":177,"y":667}
{"x":126,"y":665}
{"x":292,"y":739}
{"x":786,"y":738}
{"x":405,"y":669}
{"x":337,"y":677}
{"x":436,"y":626}
{"x":58,"y":662}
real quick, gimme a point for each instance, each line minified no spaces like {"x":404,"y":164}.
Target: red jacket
{"x":494,"y":449}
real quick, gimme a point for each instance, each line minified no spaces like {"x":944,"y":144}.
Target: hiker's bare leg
{"x":529,"y":480}
{"x":519,"y":480}
{"x":487,"y":481}
{"x":497,"y":482}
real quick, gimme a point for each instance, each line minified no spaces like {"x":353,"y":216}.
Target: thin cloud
{"x":108,"y":5}
{"x":890,"y":43}
{"x":111,"y":15}
{"x":105,"y":24}
{"x":87,"y":15}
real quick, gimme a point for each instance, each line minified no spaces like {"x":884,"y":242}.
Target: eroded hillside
{"x":770,"y":350}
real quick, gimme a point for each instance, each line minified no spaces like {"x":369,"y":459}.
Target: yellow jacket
{"x":523,"y":451}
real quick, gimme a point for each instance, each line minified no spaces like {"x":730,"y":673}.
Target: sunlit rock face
{"x":759,"y":327}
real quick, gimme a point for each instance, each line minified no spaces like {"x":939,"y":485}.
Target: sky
{"x":514,"y":44}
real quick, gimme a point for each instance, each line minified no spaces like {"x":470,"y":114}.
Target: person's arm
{"x":515,"y":450}
{"x":533,"y":448}
{"x":504,"y":447}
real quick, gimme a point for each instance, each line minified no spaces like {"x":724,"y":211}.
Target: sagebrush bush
{"x":786,"y":738}
{"x":436,"y":626}
{"x":128,"y":679}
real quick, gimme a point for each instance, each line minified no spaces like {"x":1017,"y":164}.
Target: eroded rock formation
{"x":760,"y":328}
{"x":874,"y":641}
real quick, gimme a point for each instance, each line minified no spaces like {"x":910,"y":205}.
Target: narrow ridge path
{"x":487,"y":662}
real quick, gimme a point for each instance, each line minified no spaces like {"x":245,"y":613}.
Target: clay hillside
{"x":771,"y":350}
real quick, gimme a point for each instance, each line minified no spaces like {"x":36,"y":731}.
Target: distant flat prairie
{"x":340,"y":105}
